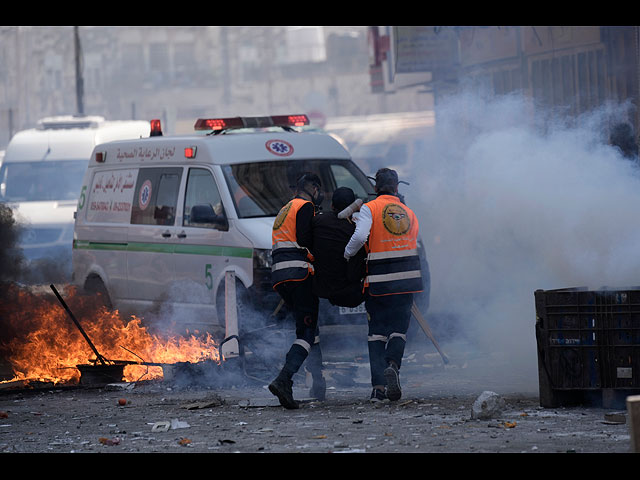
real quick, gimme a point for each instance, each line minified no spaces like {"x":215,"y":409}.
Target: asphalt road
{"x":433,"y":415}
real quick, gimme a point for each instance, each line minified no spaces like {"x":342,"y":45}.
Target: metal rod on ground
{"x":100,"y":358}
{"x":230,"y":316}
{"x":425,"y":327}
{"x":633,"y":410}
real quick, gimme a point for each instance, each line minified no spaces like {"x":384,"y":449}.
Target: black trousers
{"x":389,"y":318}
{"x":300,"y":298}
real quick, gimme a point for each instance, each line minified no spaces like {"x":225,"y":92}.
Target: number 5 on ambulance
{"x":173,"y":220}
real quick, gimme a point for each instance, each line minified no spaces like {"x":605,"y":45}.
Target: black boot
{"x":314,"y":365}
{"x":318,"y":388}
{"x":392,"y":377}
{"x":281,"y":387}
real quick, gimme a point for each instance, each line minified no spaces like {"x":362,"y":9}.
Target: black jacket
{"x":336,"y":279}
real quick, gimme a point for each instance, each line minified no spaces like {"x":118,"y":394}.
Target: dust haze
{"x":508,"y":205}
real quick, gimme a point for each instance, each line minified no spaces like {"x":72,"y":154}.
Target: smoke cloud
{"x":508,"y":205}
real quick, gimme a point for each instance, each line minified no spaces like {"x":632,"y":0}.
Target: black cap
{"x":386,"y":177}
{"x":342,"y":198}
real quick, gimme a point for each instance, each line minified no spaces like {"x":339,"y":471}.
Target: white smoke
{"x":507,"y":207}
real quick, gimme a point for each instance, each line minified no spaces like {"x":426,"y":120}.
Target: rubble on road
{"x":487,"y":405}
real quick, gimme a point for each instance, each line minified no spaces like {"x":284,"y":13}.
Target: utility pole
{"x":79,"y":81}
{"x":226,"y":73}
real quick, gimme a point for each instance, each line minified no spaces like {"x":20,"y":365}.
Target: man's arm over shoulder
{"x":361,"y":234}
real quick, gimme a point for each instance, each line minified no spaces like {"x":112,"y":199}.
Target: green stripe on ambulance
{"x":222,"y":251}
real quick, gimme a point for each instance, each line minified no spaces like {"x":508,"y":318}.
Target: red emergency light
{"x":291,"y":120}
{"x":190,"y":152}
{"x":156,"y":128}
{"x":218,"y":124}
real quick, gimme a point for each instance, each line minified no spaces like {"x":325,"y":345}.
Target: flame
{"x":41,"y":342}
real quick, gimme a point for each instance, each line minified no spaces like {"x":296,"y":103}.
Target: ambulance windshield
{"x":41,"y":181}
{"x":261,"y":189}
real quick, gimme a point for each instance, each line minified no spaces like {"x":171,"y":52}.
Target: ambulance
{"x":162,"y":221}
{"x":41,"y":174}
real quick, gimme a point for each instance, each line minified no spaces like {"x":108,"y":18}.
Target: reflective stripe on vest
{"x":392,"y":254}
{"x":285,"y":244}
{"x":393,"y":264}
{"x":291,"y":264}
{"x":290,"y":261}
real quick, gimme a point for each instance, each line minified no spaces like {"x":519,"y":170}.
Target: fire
{"x":41,"y":342}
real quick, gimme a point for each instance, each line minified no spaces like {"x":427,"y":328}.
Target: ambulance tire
{"x":95,"y":286}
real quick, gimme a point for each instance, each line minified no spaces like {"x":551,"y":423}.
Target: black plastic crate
{"x":575,"y":368}
{"x":588,"y":341}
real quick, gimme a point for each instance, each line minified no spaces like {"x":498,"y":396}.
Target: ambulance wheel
{"x":95,"y":286}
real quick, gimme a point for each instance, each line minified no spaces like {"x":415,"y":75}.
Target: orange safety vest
{"x":393,"y":264}
{"x":290,"y":261}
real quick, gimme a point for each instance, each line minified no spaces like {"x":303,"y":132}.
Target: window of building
{"x":575,"y":81}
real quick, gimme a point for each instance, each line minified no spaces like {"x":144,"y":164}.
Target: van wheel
{"x":94,"y":286}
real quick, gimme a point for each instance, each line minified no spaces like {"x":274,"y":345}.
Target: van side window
{"x":202,"y":202}
{"x":156,"y":196}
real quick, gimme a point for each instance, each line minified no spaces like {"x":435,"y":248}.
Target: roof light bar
{"x":218,"y":123}
{"x":291,"y":120}
{"x":251,"y":122}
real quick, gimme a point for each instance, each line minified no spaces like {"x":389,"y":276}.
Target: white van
{"x":162,"y":219}
{"x":41,"y":175}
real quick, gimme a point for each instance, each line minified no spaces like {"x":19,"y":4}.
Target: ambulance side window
{"x":156,"y":196}
{"x":202,"y":202}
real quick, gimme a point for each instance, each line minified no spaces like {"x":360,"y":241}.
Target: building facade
{"x":180,"y":73}
{"x":571,"y":69}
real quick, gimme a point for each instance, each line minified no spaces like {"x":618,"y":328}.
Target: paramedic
{"x":291,"y":276}
{"x":390,"y":230}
